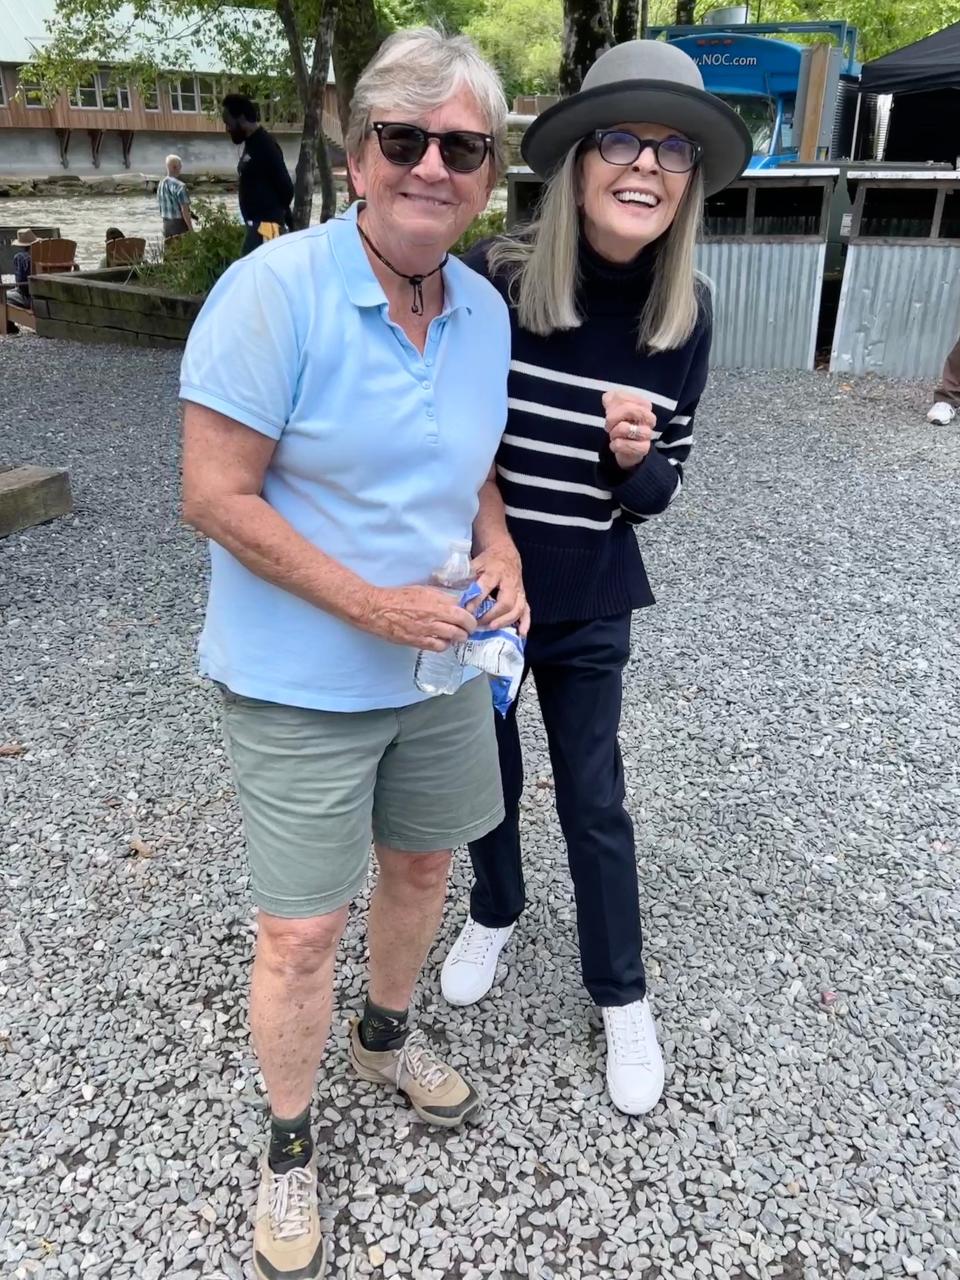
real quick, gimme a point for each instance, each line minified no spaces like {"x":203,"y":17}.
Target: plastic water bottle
{"x":441,"y":672}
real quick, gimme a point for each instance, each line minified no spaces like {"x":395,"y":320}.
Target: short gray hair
{"x":417,"y":71}
{"x":173,"y":162}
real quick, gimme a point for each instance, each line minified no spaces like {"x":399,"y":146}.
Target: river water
{"x":85,"y":218}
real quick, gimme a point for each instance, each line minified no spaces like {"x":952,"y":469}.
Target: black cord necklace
{"x":415,"y":282}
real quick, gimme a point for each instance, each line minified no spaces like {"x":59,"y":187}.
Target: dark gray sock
{"x":291,"y":1144}
{"x":382,"y":1029}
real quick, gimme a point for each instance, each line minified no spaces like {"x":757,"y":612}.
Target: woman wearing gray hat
{"x":610,"y":346}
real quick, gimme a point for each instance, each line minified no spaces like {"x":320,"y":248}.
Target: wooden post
{"x":32,"y":495}
{"x":814,"y":102}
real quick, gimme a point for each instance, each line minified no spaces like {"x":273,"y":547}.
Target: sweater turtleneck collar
{"x":614,"y":287}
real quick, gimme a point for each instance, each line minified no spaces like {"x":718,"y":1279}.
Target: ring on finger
{"x":633,"y":432}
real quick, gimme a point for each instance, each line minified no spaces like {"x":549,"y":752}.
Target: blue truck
{"x":763,"y":76}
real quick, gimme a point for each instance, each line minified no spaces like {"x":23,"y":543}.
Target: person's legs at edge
{"x":947,"y":395}
{"x":498,"y":895}
{"x":579,"y":683}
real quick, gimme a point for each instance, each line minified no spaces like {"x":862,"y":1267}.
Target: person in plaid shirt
{"x":174,"y":201}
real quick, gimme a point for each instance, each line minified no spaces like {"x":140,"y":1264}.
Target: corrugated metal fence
{"x":766,"y":300}
{"x":899,"y":310}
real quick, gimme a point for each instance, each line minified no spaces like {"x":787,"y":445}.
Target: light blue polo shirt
{"x":381,"y":451}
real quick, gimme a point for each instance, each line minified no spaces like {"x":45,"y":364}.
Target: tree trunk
{"x":356,"y":38}
{"x":586,"y":34}
{"x":685,"y":13}
{"x":644,"y":19}
{"x":625,"y":21}
{"x":311,"y":87}
{"x":328,"y":189}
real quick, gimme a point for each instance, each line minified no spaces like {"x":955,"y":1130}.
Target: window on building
{"x":3,"y":92}
{"x":85,"y":94}
{"x":207,"y":94}
{"x":100,"y":93}
{"x":113,"y":96}
{"x":30,"y":93}
{"x":151,"y":97}
{"x":183,"y":94}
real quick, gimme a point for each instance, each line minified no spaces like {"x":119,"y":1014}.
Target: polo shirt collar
{"x":362,"y":286}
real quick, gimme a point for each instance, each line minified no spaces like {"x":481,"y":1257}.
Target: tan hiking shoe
{"x":287,"y":1241}
{"x":436,"y":1092}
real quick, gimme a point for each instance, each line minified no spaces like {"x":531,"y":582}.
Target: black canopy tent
{"x":933,"y":63}
{"x":925,"y":81}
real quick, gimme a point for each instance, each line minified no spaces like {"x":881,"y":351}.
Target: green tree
{"x":160,"y":36}
{"x":522,"y":38}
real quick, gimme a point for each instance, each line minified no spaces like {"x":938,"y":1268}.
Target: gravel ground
{"x":791,"y":733}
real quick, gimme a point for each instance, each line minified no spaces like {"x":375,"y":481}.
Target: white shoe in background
{"x":942,"y":413}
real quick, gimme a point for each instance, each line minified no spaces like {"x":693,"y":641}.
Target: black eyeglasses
{"x":461,"y":150}
{"x":674,"y":154}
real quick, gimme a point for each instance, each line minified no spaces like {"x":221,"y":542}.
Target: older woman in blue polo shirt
{"x":345,"y":393}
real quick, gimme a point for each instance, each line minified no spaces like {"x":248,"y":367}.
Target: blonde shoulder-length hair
{"x":542,"y":263}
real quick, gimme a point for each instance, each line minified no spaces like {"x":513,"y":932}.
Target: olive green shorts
{"x":315,"y":785}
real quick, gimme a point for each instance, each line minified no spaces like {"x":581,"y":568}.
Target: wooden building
{"x":107,"y":126}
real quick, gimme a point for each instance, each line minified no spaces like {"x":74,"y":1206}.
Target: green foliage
{"x":491,"y":223}
{"x":193,"y":263}
{"x":884,"y":25}
{"x":522,"y":40}
{"x":452,"y":15}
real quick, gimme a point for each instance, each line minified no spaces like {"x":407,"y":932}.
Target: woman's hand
{"x":421,"y":617}
{"x":630,"y":424}
{"x":498,"y":569}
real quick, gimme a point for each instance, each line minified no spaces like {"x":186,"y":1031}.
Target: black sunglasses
{"x":461,"y":150}
{"x":674,"y":154}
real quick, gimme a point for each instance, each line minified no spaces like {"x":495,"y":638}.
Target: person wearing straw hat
{"x":19,"y":295}
{"x":610,"y":347}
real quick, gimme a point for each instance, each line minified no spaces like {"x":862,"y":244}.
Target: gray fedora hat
{"x":643,"y":82}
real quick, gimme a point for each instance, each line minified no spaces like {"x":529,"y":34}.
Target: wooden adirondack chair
{"x":127,"y":252}
{"x":46,"y":258}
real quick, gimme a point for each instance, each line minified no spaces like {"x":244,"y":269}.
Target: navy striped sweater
{"x":571,"y":508}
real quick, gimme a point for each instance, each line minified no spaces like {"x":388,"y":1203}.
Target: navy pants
{"x":578,"y":670}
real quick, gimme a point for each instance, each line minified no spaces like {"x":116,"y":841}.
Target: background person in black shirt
{"x":266,"y":189}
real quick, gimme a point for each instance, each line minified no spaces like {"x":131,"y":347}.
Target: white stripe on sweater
{"x":545,"y":446}
{"x":680,"y":420}
{"x":546,"y":517}
{"x":560,"y":486}
{"x":591,"y":384}
{"x":564,"y":415}
{"x":675,"y":444}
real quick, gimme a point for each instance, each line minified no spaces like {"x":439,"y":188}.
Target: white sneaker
{"x":942,"y":413}
{"x":634,"y":1060}
{"x":471,"y":966}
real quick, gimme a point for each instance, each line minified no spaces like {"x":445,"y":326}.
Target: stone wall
{"x":105,"y":306}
